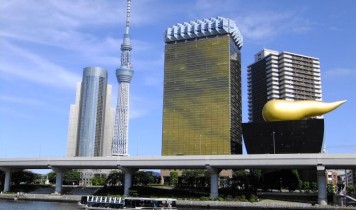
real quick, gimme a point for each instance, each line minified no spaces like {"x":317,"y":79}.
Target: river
{"x":40,"y":205}
{"x":36,"y":205}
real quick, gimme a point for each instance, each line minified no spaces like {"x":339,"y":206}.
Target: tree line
{"x":197,"y":180}
{"x":244,"y":180}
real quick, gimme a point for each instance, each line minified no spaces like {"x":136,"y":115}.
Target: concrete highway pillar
{"x":214,"y":181}
{"x":322,"y":190}
{"x":59,"y":180}
{"x":7,"y":180}
{"x":128,"y":183}
{"x":128,"y":179}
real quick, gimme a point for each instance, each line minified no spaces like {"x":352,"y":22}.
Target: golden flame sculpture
{"x":282,"y":110}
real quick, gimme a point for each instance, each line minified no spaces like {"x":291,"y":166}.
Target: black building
{"x":284,"y":137}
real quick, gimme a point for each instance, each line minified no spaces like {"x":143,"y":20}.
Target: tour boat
{"x":111,"y":202}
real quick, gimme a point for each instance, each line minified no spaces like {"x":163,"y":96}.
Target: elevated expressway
{"x":214,"y":164}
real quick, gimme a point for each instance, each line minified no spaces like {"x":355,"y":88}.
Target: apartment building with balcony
{"x":281,"y":75}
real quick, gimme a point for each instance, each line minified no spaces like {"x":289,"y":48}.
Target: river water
{"x":40,"y":205}
{"x":36,"y":205}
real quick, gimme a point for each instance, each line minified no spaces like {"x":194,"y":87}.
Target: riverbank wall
{"x":42,"y":197}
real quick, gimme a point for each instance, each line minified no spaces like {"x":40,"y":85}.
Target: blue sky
{"x":45,"y":44}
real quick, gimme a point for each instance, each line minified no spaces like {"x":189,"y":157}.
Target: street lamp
{"x":200,"y":144}
{"x":274,"y":143}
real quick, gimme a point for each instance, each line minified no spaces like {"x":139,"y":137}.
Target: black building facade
{"x":284,"y":137}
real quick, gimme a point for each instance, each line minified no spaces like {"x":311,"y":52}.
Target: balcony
{"x":317,"y":74}
{"x":287,"y":95}
{"x":316,"y":66}
{"x":285,"y":56}
{"x":316,"y":62}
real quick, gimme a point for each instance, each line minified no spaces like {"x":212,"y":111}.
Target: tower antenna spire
{"x":124,"y":75}
{"x":128,"y":14}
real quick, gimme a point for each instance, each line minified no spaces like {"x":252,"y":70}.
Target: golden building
{"x":202,"y":88}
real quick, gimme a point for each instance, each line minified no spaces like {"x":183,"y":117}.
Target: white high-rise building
{"x":281,"y":75}
{"x":124,"y":75}
{"x":91,"y":118}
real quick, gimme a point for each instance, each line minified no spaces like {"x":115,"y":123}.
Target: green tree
{"x":98,"y":180}
{"x":351,"y":189}
{"x":255,"y":179}
{"x":23,"y":176}
{"x":2,"y":178}
{"x":141,"y":178}
{"x":173,"y":178}
{"x":69,"y":177}
{"x":115,"y":178}
{"x":52,"y":177}
{"x":194,"y":179}
{"x":188,"y":179}
{"x":281,"y":179}
{"x":306,"y":186}
{"x":290,"y":179}
{"x":239,"y":180}
{"x":300,"y":185}
{"x":314,"y":186}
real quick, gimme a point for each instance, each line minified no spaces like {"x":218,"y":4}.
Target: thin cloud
{"x":59,"y":25}
{"x":15,"y":113}
{"x":22,"y":101}
{"x":255,"y":24}
{"x":65,"y":24}
{"x":264,"y":25}
{"x":138,"y":107}
{"x":35,"y":68}
{"x":153,"y":81}
{"x":137,"y":113}
{"x":341,"y":72}
{"x":143,"y":106}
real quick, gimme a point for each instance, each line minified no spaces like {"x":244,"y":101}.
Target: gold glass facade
{"x":202,"y":97}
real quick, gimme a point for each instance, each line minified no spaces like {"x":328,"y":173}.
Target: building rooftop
{"x":204,"y":28}
{"x":265,"y":52}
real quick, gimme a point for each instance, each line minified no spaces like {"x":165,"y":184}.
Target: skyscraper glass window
{"x":92,"y":112}
{"x":202,"y":88}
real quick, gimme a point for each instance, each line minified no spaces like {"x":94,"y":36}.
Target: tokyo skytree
{"x":124,"y":76}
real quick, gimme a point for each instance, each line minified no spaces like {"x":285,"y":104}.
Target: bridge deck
{"x":334,"y":161}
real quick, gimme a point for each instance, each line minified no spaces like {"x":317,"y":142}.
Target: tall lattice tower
{"x":124,"y":76}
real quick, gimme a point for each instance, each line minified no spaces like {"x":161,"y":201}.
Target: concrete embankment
{"x":42,"y":197}
{"x":183,"y":203}
{"x":256,"y":205}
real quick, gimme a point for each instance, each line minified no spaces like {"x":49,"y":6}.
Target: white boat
{"x":150,"y":203}
{"x":110,"y":202}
